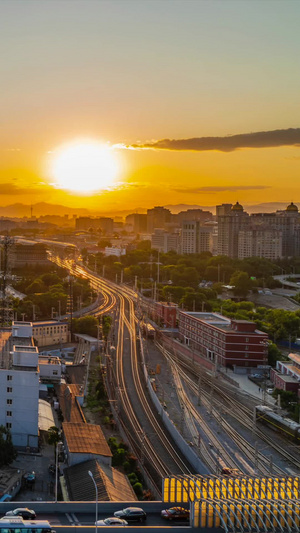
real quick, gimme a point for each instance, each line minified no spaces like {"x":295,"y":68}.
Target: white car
{"x":113,"y":521}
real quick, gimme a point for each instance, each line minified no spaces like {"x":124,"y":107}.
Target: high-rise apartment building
{"x":138,"y":222}
{"x":164,"y":241}
{"x":195,"y":238}
{"x":260,"y":242}
{"x":19,"y":385}
{"x":269,"y":235}
{"x":157,"y":218}
{"x":230,"y":221}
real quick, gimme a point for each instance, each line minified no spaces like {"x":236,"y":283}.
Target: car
{"x":24,"y":512}
{"x":270,"y":390}
{"x":132,"y":514}
{"x":176,"y":513}
{"x":113,"y":522}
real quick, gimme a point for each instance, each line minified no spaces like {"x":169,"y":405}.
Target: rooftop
{"x":85,"y":438}
{"x":69,"y":405}
{"x":86,"y":338}
{"x":295,"y":358}
{"x":39,"y":323}
{"x":222,"y":322}
{"x":111,"y":484}
{"x":44,"y":360}
{"x":46,"y":419}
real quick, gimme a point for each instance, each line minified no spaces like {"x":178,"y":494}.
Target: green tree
{"x":8,"y":452}
{"x":242,"y":283}
{"x":274,"y":354}
{"x":86,"y":325}
{"x":106,"y":326}
{"x":53,"y":437}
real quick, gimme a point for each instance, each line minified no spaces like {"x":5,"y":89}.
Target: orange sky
{"x":126,"y":72}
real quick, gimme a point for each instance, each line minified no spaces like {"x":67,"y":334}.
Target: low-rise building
{"x":112,"y":485}
{"x":50,"y":369}
{"x":163,"y":313}
{"x":286,"y":376}
{"x":49,"y":332}
{"x":222,"y":340}
{"x":85,"y":441}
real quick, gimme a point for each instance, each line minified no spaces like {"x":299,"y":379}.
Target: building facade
{"x":163,"y":241}
{"x":49,"y":332}
{"x":19,"y":385}
{"x":268,"y":235}
{"x":224,"y":341}
{"x":194,"y":238}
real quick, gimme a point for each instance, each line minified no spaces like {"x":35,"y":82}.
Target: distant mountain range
{"x":43,"y":208}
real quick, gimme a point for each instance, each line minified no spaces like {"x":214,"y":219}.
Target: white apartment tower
{"x":19,"y":385}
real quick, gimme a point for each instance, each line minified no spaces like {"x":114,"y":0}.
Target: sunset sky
{"x":131,"y":73}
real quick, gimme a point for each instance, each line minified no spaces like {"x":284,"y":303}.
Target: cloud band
{"x":261,"y":139}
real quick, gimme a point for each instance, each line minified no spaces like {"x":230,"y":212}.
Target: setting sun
{"x":84,"y":167}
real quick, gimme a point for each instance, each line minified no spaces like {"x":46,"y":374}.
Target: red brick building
{"x":222,"y":340}
{"x":286,"y":376}
{"x":163,"y":313}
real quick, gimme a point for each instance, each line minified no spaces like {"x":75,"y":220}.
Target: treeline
{"x":48,"y":293}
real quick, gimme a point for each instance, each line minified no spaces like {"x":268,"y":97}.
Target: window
{"x":54,"y":373}
{"x":8,"y":413}
{"x":9,"y":401}
{"x":8,"y":425}
{"x":9,"y":389}
{"x":9,"y":378}
{"x":247,"y":340}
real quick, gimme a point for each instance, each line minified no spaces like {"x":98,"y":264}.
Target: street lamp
{"x":96,"y":489}
{"x":58,"y":444}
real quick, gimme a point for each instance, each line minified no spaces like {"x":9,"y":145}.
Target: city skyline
{"x":197,"y":101}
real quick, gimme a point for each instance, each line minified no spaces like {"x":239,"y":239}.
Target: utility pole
{"x":256,"y":457}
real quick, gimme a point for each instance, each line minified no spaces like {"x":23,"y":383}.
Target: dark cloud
{"x":212,"y":189}
{"x":261,"y":139}
{"x":12,"y":189}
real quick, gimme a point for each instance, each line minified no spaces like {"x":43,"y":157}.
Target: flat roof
{"x":288,"y":379}
{"x":39,"y":323}
{"x":87,"y":338}
{"x":30,"y":349}
{"x":222,"y":322}
{"x":85,"y":438}
{"x":45,"y":360}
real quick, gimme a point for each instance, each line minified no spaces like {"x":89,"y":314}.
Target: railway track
{"x":140,"y":442}
{"x":240,"y":413}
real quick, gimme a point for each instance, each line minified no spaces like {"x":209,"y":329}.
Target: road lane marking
{"x":75,"y":519}
{"x":69,"y":518}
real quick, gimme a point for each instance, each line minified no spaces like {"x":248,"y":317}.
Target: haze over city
{"x":115,"y":106}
